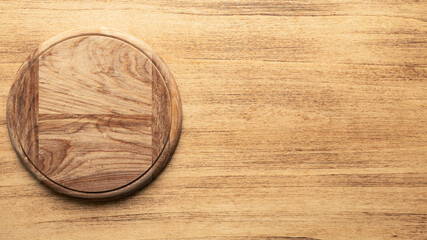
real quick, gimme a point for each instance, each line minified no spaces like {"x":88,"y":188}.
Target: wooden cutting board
{"x":94,"y":113}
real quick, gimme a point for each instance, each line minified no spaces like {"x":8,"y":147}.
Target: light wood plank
{"x":301,"y":119}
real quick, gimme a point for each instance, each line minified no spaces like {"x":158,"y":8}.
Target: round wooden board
{"x":94,"y":113}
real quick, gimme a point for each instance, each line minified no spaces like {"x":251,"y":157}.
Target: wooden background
{"x":302,"y":120}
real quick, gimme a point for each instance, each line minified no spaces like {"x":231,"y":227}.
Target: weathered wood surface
{"x":301,"y":120}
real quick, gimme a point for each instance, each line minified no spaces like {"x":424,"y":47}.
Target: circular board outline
{"x":175,"y":108}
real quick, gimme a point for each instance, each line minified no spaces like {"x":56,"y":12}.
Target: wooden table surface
{"x":302,"y":120}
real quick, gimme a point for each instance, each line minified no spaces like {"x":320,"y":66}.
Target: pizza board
{"x":94,"y":114}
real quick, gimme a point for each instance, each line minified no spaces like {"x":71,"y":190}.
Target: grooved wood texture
{"x":302,"y":120}
{"x":91,"y":113}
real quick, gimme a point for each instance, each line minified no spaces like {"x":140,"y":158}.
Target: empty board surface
{"x":91,"y":113}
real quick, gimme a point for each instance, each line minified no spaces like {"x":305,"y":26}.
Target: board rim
{"x":175,"y":108}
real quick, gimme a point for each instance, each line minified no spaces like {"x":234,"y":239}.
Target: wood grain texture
{"x":90,"y":113}
{"x":161,"y":114}
{"x":302,"y":120}
{"x":94,"y":153}
{"x":26,"y":102}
